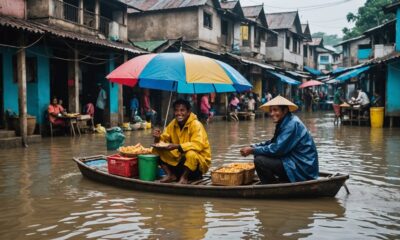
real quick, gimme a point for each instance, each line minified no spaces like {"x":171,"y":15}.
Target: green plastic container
{"x":148,"y":167}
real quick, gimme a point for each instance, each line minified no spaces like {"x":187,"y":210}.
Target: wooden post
{"x":121,"y":98}
{"x":21,"y":74}
{"x":97,"y":15}
{"x":80,"y":12}
{"x":73,"y":89}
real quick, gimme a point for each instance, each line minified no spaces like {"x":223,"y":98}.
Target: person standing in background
{"x":100,"y":104}
{"x":134,"y":106}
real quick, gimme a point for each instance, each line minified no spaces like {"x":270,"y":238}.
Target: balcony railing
{"x":89,"y":19}
{"x":104,"y":25}
{"x":66,"y":11}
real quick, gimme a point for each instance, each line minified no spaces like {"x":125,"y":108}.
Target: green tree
{"x":329,"y":40}
{"x":368,"y":16}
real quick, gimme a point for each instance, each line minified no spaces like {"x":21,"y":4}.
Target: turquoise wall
{"x":10,"y":91}
{"x":37,"y":93}
{"x":398,"y":30}
{"x":392,"y":89}
{"x":112,"y":87}
{"x":364,"y":53}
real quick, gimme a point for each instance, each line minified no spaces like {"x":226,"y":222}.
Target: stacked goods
{"x":233,"y":174}
{"x":134,"y":150}
{"x":122,"y":166}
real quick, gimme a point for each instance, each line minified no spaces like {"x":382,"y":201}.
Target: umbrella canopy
{"x":180,"y":72}
{"x":310,"y":84}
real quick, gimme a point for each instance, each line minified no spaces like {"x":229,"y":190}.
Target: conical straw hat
{"x":279,"y":101}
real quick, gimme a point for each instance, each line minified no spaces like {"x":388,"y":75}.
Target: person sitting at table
{"x":187,"y":155}
{"x":55,"y":111}
{"x":291,"y":154}
{"x":363,"y":100}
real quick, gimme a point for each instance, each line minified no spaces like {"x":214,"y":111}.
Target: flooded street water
{"x":44,"y":196}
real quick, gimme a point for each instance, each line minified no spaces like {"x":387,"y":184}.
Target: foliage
{"x":329,"y":40}
{"x":368,"y":16}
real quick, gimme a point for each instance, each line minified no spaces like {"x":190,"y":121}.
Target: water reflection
{"x":44,"y":196}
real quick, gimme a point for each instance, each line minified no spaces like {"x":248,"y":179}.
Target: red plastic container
{"x":122,"y":166}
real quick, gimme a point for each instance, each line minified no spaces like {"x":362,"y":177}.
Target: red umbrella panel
{"x":310,"y":83}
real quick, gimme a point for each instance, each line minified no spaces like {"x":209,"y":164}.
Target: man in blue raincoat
{"x":291,"y":155}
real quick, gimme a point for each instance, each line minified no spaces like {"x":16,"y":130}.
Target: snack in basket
{"x":228,"y":170}
{"x":245,"y":166}
{"x":135,"y":150}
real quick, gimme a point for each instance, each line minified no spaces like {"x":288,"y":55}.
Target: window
{"x":305,"y":51}
{"x":294,"y":49}
{"x":30,"y":68}
{"x":287,"y":41}
{"x":324,"y":59}
{"x":257,"y":37}
{"x":244,"y":33}
{"x":207,"y":20}
{"x":272,"y":40}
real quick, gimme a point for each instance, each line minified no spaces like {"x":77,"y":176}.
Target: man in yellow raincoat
{"x":187,"y":154}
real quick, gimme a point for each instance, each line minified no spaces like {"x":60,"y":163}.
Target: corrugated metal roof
{"x":315,"y":42}
{"x":252,"y":11}
{"x":154,"y":5}
{"x":229,"y":5}
{"x":41,"y":28}
{"x":350,"y":40}
{"x":19,"y":24}
{"x":387,"y":24}
{"x":150,"y":45}
{"x":281,"y":20}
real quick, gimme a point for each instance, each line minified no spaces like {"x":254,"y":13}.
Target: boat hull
{"x":323,"y":187}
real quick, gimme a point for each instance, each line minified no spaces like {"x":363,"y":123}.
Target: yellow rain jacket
{"x":194,"y":143}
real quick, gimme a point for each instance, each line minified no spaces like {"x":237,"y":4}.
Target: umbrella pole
{"x":169,"y":104}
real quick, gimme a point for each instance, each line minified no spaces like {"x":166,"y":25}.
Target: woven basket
{"x":227,"y":179}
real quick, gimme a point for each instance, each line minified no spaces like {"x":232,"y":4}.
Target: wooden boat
{"x":327,"y":185}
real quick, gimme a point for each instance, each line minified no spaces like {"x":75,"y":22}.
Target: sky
{"x":327,"y":16}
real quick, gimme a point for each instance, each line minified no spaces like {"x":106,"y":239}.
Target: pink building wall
{"x":15,"y":8}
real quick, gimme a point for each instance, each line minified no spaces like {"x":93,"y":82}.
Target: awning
{"x":339,"y":70}
{"x":149,"y":45}
{"x":352,"y":73}
{"x":262,"y":65}
{"x":285,"y":79}
{"x":313,"y":71}
{"x":296,"y":74}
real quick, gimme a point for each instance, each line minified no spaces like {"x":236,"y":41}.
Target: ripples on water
{"x":43,"y":195}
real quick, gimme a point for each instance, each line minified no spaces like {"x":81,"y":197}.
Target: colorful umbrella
{"x":180,"y":72}
{"x":310,"y":83}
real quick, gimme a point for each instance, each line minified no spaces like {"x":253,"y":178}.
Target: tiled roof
{"x":228,"y":5}
{"x":252,"y":11}
{"x":281,"y":20}
{"x":41,"y":28}
{"x":157,"y":5}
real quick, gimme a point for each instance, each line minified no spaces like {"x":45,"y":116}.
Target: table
{"x":354,"y":114}
{"x":73,"y":123}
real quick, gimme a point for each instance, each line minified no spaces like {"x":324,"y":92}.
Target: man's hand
{"x":172,"y":147}
{"x":156,"y":135}
{"x":246,"y":151}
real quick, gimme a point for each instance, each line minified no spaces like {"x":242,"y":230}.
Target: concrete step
{"x":14,"y":142}
{"x":7,"y":134}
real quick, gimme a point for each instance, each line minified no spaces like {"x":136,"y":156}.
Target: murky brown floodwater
{"x":44,"y":196}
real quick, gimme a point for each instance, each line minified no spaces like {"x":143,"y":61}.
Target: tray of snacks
{"x":161,"y":145}
{"x":133,"y":151}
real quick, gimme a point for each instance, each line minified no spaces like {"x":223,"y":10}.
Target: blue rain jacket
{"x":294,"y":145}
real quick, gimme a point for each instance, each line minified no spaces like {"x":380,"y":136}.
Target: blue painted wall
{"x":398,"y":30}
{"x":112,"y":87}
{"x":38,"y":93}
{"x":364,"y":53}
{"x":392,"y":90}
{"x":10,"y":91}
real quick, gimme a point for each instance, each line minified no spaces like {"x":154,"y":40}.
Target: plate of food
{"x":133,"y":151}
{"x":161,"y":145}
